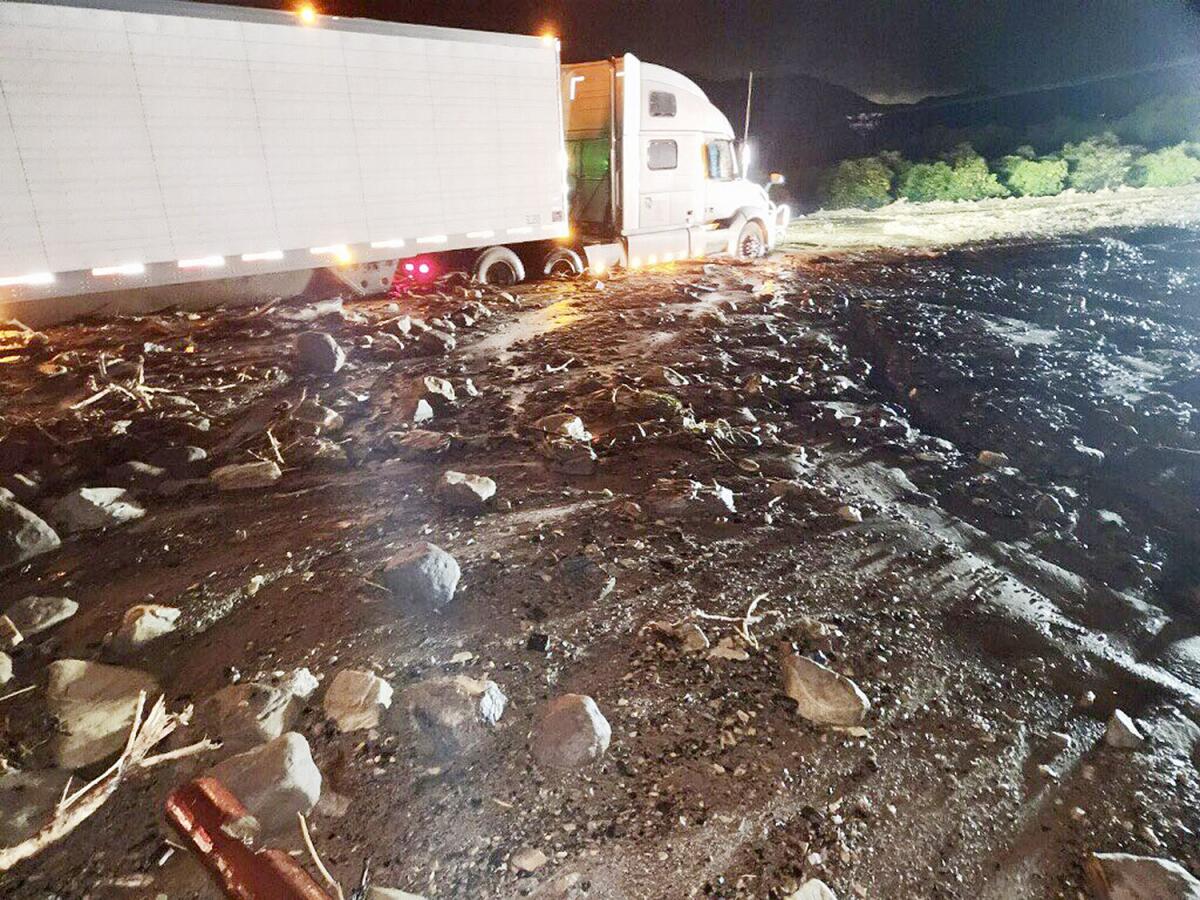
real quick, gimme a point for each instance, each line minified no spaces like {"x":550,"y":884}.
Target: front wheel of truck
{"x":499,"y":266}
{"x":751,"y":242}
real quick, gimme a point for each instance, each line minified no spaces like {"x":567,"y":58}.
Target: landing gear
{"x":499,"y":266}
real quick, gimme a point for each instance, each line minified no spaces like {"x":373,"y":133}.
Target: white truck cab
{"x":658,"y":179}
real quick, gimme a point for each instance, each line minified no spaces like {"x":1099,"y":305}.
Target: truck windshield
{"x":722,"y":161}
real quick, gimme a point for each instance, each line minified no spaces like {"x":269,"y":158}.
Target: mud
{"x":739,"y":407}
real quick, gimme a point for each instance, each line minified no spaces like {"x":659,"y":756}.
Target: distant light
{"x":35,"y":278}
{"x":307,"y":14}
{"x":264,"y":256}
{"x":202,"y":262}
{"x":123,"y":269}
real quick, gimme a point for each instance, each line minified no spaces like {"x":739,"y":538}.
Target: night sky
{"x":888,"y":50}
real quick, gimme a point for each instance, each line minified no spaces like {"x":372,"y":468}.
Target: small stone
{"x":318,"y":352}
{"x":179,"y":460}
{"x":37,"y":614}
{"x":1123,"y":876}
{"x":142,"y":624}
{"x":382,"y":893}
{"x":813,"y":889}
{"x":319,"y":418}
{"x":439,"y":387}
{"x":299,"y":682}
{"x":137,"y":474}
{"x":23,"y":534}
{"x":355,"y":700}
{"x":571,"y":733}
{"x":419,"y":443}
{"x":529,"y":859}
{"x":423,"y":412}
{"x":992,"y":459}
{"x":23,"y":488}
{"x":562,"y":425}
{"x":318,"y":451}
{"x":245,"y":476}
{"x":451,"y":715}
{"x":87,"y":509}
{"x":1049,"y":508}
{"x":1123,"y":733}
{"x":274,"y":781}
{"x":463,"y":491}
{"x":246,"y":715}
{"x":422,"y":574}
{"x":821,"y":694}
{"x":6,"y":668}
{"x":849,"y":513}
{"x":95,"y":704}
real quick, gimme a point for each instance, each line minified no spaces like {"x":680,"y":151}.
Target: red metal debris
{"x":207,"y":816}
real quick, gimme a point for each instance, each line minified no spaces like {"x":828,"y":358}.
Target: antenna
{"x":749,"y":94}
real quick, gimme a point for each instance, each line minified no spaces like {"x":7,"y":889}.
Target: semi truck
{"x":162,"y":152}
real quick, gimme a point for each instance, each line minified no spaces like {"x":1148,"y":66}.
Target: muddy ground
{"x":975,"y":605}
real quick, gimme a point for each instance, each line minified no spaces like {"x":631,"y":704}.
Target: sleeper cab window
{"x":662,"y":155}
{"x":662,"y":104}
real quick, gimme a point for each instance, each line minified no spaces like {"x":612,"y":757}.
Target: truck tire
{"x":751,"y":241}
{"x":562,"y":261}
{"x":499,"y":265}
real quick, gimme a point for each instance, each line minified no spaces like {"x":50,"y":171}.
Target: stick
{"x":317,"y":859}
{"x":24,"y":690}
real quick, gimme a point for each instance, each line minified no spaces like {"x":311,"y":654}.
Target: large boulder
{"x":451,"y":715}
{"x":88,"y":509}
{"x":422,"y":574}
{"x":274,"y":781}
{"x":246,"y":715}
{"x":23,"y":534}
{"x":355,"y":700}
{"x":1123,"y":876}
{"x":94,"y":704}
{"x":571,"y":733}
{"x":821,"y":694}
{"x":33,"y":615}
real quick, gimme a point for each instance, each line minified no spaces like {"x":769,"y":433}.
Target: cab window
{"x":662,"y":155}
{"x":722,"y":161}
{"x":662,"y":104}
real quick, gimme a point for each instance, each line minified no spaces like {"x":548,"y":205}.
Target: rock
{"x":450,"y":715}
{"x":10,"y":636}
{"x":6,"y":668}
{"x":688,"y":635}
{"x":87,"y":509}
{"x":564,"y":425}
{"x":463,"y":491}
{"x":28,"y":800}
{"x":318,"y":451}
{"x":319,"y":418}
{"x":1122,"y":733}
{"x":179,"y":460}
{"x":813,"y":889}
{"x":420,"y":444}
{"x":570,"y":457}
{"x":23,"y":535}
{"x":244,"y":476}
{"x":274,"y":781}
{"x":22,"y":488}
{"x":422,"y":412}
{"x":571,"y":733}
{"x":246,"y":715}
{"x":439,"y":387}
{"x":821,"y":694}
{"x":36,"y":614}
{"x":382,"y":893}
{"x":137,"y":474}
{"x":142,"y":624}
{"x":95,"y":704}
{"x":849,"y":513}
{"x":356,"y":699}
{"x":1123,"y":876}
{"x":1049,"y":508}
{"x":318,"y":352}
{"x":300,"y":683}
{"x":992,"y":459}
{"x":529,"y":860}
{"x":422,"y":574}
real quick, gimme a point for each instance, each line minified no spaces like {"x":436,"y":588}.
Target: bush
{"x":1026,"y":177}
{"x":1098,"y":163}
{"x":963,"y":176}
{"x":1161,"y":120}
{"x":1169,"y":167}
{"x":865,"y":183}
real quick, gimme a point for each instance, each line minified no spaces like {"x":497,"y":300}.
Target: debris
{"x":354,"y":700}
{"x":450,"y":715}
{"x":245,"y":476}
{"x":274,"y":781}
{"x":142,"y":624}
{"x":571,"y":733}
{"x":1122,"y":732}
{"x":422,"y":574}
{"x":1123,"y":876}
{"x":34,"y":615}
{"x":87,"y":509}
{"x":319,"y":353}
{"x":464,"y":491}
{"x":95,"y":703}
{"x":821,"y":694}
{"x":813,"y":889}
{"x":529,"y":860}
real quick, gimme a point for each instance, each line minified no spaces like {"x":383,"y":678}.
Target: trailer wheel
{"x":751,"y":242}
{"x":499,"y":265}
{"x":562,"y":261}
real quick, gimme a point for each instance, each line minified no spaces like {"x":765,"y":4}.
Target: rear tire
{"x":562,"y":261}
{"x":499,"y":266}
{"x":751,"y":242}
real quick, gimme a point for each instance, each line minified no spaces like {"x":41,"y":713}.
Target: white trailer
{"x":154,"y":143}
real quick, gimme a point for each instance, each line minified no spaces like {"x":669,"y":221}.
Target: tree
{"x":1098,"y":163}
{"x":1169,"y":167}
{"x":963,"y":175}
{"x":865,"y":183}
{"x":1028,"y":177}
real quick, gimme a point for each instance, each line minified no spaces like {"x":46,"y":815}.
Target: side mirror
{"x":777,"y":178}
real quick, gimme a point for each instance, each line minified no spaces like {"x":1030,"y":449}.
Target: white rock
{"x":300,"y":683}
{"x":87,"y":509}
{"x":382,"y":893}
{"x":423,"y":412}
{"x":6,"y":668}
{"x":439,"y":387}
{"x":571,"y":733}
{"x":451,"y":715}
{"x":1123,"y":876}
{"x":529,"y":859}
{"x":244,"y":476}
{"x":95,"y":704}
{"x":23,"y":534}
{"x":142,"y":624}
{"x":566,"y":425}
{"x":821,"y":694}
{"x":813,"y":889}
{"x":1122,"y":732}
{"x":355,"y":700}
{"x":463,"y":491}
{"x":33,"y":615}
{"x":422,"y":574}
{"x":274,"y":781}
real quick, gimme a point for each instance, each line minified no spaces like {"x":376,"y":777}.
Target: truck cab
{"x":657,"y":179}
